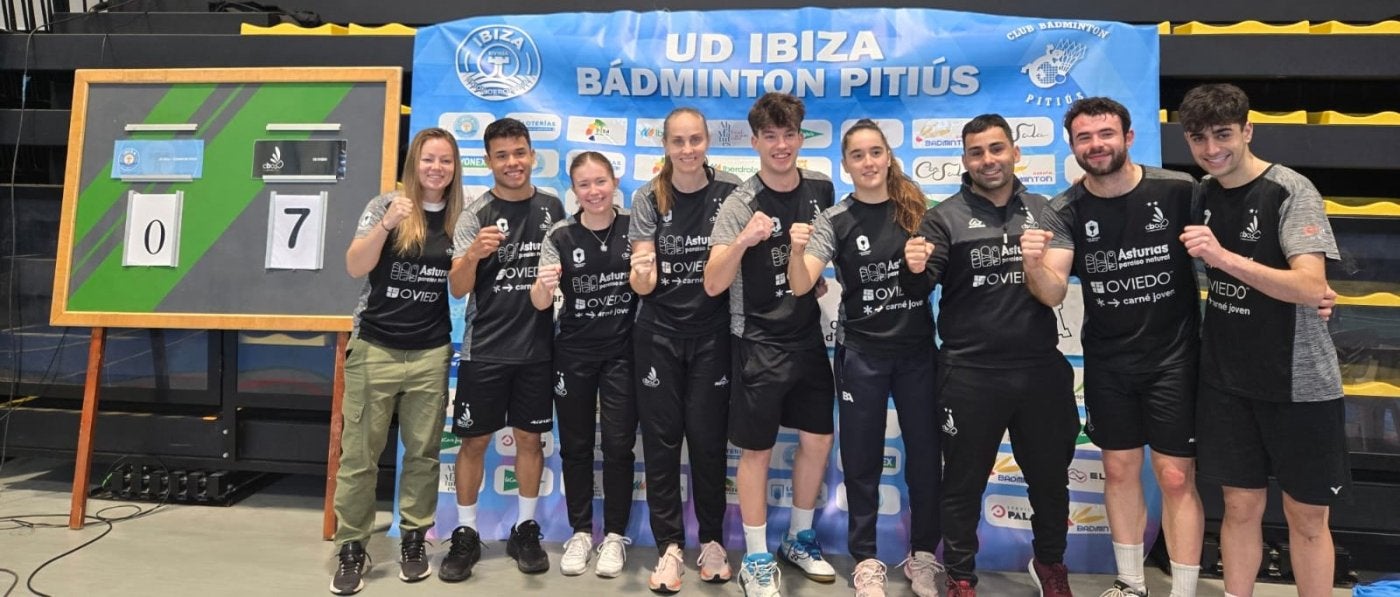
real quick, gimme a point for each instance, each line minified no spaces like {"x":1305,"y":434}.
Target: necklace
{"x":602,"y":242}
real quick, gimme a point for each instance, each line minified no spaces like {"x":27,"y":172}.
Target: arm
{"x":1047,"y":269}
{"x":373,"y":232}
{"x":811,"y":248}
{"x":548,"y":273}
{"x":643,"y":274}
{"x":730,"y":238}
{"x":1303,"y":283}
{"x":722,"y":267}
{"x":471,"y":246}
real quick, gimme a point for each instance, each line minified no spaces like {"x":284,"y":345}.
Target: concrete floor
{"x":269,"y":544}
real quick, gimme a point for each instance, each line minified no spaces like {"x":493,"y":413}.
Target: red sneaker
{"x":1051,"y":579}
{"x":961,"y":588}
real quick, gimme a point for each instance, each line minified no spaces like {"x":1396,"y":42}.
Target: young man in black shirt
{"x":504,"y":377}
{"x":781,"y":371}
{"x":999,"y":367}
{"x":1117,"y":232}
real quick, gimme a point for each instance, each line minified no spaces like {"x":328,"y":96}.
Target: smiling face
{"x":1221,"y":149}
{"x":1099,"y":143}
{"x":867,"y":160}
{"x":989,"y":158}
{"x":777,"y":149}
{"x":686,"y":143}
{"x":593,"y":184}
{"x":510,"y":160}
{"x":436,"y":163}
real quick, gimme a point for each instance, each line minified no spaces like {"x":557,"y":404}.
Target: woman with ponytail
{"x":884,"y":347}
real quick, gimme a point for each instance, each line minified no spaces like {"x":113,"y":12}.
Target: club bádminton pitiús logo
{"x":498,"y":62}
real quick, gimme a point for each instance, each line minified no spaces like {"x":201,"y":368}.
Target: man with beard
{"x":1116,"y":231}
{"x":999,"y":367}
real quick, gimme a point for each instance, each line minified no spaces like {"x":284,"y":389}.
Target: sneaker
{"x":612,"y":554}
{"x":413,"y":563}
{"x":1051,"y":579}
{"x":462,"y":553}
{"x":960,"y":588}
{"x":350,"y":574}
{"x":804,"y":552}
{"x":922,"y":570}
{"x":759,"y":575}
{"x":869,"y":578}
{"x":669,"y":570}
{"x":577,"y":550}
{"x":524,"y":546}
{"x":714,"y":563}
{"x":1122,"y":589}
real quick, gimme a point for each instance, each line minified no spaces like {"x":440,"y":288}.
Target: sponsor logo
{"x":560,"y":389}
{"x":938,"y":133}
{"x":993,"y":255}
{"x":649,"y":133}
{"x":863,"y":244}
{"x":505,"y":443}
{"x":498,"y":62}
{"x":780,"y":493}
{"x":1036,"y":169}
{"x":274,"y":162}
{"x":1251,"y":231}
{"x":847,"y":397}
{"x":1086,"y":475}
{"x":975,"y":223}
{"x":578,"y":256}
{"x":1006,"y":511}
{"x":938,"y":170}
{"x":130,"y":159}
{"x":618,"y":161}
{"x":996,"y":279}
{"x":1037,"y":131}
{"x":464,"y":418}
{"x":1053,"y":67}
{"x":730,"y":134}
{"x":783,"y":456}
{"x":816,"y":134}
{"x":465,"y":126}
{"x":1088,"y":519}
{"x":731,"y":490}
{"x":950,"y":427}
{"x":474,"y":162}
{"x":1005,"y":471}
{"x":892,"y":462}
{"x":1159,"y":220}
{"x":546,"y":164}
{"x":506,"y":483}
{"x":1228,"y":290}
{"x":651,"y":380}
{"x":590,"y":129}
{"x":543,"y":126}
{"x":449,"y":442}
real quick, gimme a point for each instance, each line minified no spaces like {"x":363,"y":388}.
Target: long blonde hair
{"x":661,"y":185}
{"x":909,"y":202}
{"x":412,"y":232}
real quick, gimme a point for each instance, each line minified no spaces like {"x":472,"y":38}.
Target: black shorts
{"x":777,"y":386}
{"x":1126,"y":411}
{"x":491,"y":396}
{"x":1243,"y":441}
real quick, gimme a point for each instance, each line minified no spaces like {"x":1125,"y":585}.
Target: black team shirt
{"x":595,"y":321}
{"x":404,"y":302}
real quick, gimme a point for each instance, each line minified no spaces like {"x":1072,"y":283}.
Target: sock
{"x":799,"y":520}
{"x":755,"y":539}
{"x":1184,"y":580}
{"x":1129,"y":559}
{"x":527,"y":508}
{"x":466,"y":516}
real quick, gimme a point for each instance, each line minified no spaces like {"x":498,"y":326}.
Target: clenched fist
{"x":760,"y":226}
{"x":1034,"y":242}
{"x":800,"y":234}
{"x":916,"y":254}
{"x":643,"y":263}
{"x":549,"y":276}
{"x":399,"y":210}
{"x":486,"y":243}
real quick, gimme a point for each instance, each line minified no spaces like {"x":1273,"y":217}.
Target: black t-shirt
{"x":404,"y":302}
{"x":1141,"y":304}
{"x":595,"y":321}
{"x":503,"y":326}
{"x":986,"y":317}
{"x":761,"y":304}
{"x":878,"y":315}
{"x":678,"y":306}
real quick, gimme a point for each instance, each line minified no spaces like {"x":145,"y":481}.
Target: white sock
{"x":1129,"y":559}
{"x":1184,"y":580}
{"x":755,"y":539}
{"x":527,"y":508}
{"x":799,"y":520}
{"x":466,"y":516}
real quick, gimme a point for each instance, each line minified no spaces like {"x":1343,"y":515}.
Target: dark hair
{"x":984,"y":122}
{"x":1211,"y":105}
{"x":776,"y":110}
{"x":909,"y":202}
{"x":662,"y":188}
{"x":591,"y":156}
{"x":1098,"y":106}
{"x":504,"y":128}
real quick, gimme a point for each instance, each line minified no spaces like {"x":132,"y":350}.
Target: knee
{"x":528,"y":443}
{"x":755,"y":458}
{"x":1176,"y":481}
{"x":474,"y":447}
{"x":1244,"y":506}
{"x":815,"y":444}
{"x":1305,"y":520}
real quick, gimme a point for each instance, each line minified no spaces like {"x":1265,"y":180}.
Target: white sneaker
{"x":869,"y":578}
{"x":804,"y":552}
{"x":759,"y":576}
{"x":612,"y":554}
{"x":713,"y":563}
{"x":922,"y":570}
{"x":576,"y":553}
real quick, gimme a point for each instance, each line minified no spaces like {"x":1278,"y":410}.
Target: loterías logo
{"x":498,"y":62}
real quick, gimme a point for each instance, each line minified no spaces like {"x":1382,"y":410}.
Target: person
{"x":682,"y":352}
{"x":1116,"y":231}
{"x":884,"y":339}
{"x":999,"y":367}
{"x":398,"y":356}
{"x":1269,"y":401}
{"x":781,"y":371}
{"x":586,"y":258}
{"x":505,"y":375}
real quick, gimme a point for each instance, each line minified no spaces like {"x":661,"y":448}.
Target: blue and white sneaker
{"x":804,"y":552}
{"x":759,"y":576}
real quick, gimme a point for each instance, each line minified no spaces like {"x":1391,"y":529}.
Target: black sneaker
{"x":413,"y":563}
{"x":349,"y":576}
{"x":524,"y":546}
{"x":464,"y":553}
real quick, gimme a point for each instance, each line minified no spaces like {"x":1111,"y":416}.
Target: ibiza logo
{"x":274,"y":161}
{"x":1251,"y":232}
{"x":498,"y":62}
{"x":1159,"y":220}
{"x":863,"y":245}
{"x":130,"y":158}
{"x":1052,"y":68}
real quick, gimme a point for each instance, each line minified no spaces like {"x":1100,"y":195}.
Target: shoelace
{"x":616,"y":545}
{"x":763,"y":573}
{"x":348,"y":563}
{"x":576,"y":542}
{"x":922,"y":564}
{"x":414,"y":551}
{"x":813,"y":548}
{"x":866,"y":575}
{"x":712,"y":550}
{"x":460,"y":546}
{"x":670,"y":558}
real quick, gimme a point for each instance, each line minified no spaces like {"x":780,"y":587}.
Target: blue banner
{"x":604,"y":82}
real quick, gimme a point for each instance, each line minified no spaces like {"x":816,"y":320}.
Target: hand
{"x":820,"y":287}
{"x":916,"y":254}
{"x":399,"y":210}
{"x":1201,"y":243}
{"x":1329,"y":300}
{"x":800,"y":234}
{"x":487,"y":240}
{"x":1034,"y":242}
{"x":644,"y":263}
{"x":760,"y":226}
{"x":548,"y":277}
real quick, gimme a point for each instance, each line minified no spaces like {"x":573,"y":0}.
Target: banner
{"x":604,"y":82}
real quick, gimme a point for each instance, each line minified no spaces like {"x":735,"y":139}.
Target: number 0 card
{"x":152,"y":229}
{"x":296,"y":231}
